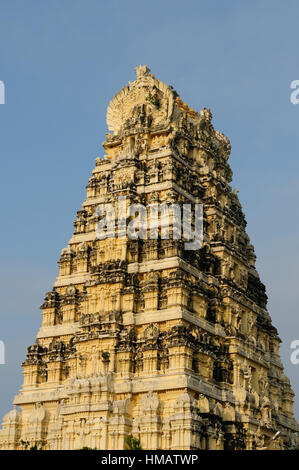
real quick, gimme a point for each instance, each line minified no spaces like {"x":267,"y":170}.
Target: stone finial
{"x":142,"y":71}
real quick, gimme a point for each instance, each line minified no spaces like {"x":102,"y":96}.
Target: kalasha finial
{"x":142,"y":71}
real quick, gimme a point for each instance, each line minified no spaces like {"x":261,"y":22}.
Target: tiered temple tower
{"x":144,"y":337}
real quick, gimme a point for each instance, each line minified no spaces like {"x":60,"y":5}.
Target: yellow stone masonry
{"x":144,"y":337}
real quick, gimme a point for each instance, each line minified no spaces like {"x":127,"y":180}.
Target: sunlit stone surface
{"x":142,"y":337}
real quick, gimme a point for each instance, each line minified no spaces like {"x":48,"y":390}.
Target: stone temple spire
{"x":140,"y":335}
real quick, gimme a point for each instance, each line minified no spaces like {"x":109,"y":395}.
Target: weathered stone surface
{"x":143,"y":337}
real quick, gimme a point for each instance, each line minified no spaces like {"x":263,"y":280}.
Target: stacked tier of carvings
{"x":141,"y":336}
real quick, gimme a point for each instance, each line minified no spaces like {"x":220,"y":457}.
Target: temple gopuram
{"x":144,"y":337}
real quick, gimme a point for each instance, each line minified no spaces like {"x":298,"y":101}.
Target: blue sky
{"x":63,"y":60}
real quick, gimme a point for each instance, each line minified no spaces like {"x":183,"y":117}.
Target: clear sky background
{"x":62,"y":61}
